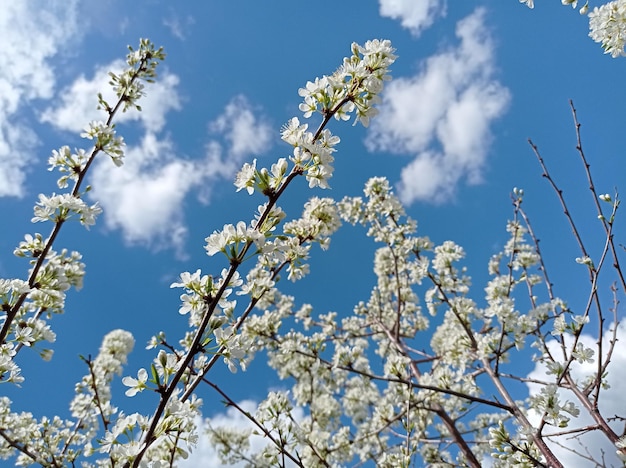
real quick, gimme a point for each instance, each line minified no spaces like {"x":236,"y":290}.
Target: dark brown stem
{"x":252,"y":419}
{"x":149,"y":436}
{"x":12,"y":313}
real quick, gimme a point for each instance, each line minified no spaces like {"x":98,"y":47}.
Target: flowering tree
{"x":422,"y":372}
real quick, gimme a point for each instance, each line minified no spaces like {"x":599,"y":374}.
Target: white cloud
{"x":242,"y":129}
{"x":245,"y":131}
{"x":17,"y":143}
{"x":144,"y":198}
{"x":611,"y":403}
{"x":442,"y":116}
{"x":79,"y":101}
{"x":415,"y":16}
{"x":31,"y":37}
{"x":177,"y":26}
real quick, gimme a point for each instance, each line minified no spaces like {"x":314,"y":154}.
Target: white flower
{"x":136,"y":385}
{"x":232,"y":346}
{"x":583,"y":354}
{"x":585,"y":261}
{"x":293,"y":133}
{"x":190,"y":281}
{"x":24,"y":335}
{"x":246,"y":177}
{"x":216,"y":242}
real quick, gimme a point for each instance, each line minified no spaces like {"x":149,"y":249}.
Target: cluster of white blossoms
{"x":352,"y":89}
{"x":310,"y":154}
{"x":548,"y":402}
{"x":200,"y":290}
{"x":216,"y":327}
{"x":58,"y":442}
{"x":373,"y":390}
{"x":28,"y":305}
{"x":105,"y":140}
{"x":233,"y":241}
{"x":68,"y":163}
{"x":607,"y":25}
{"x":122,"y":442}
{"x":354,"y":86}
{"x":59,"y":208}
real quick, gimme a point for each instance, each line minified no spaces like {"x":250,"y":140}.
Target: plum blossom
{"x":607,"y":25}
{"x":136,"y":385}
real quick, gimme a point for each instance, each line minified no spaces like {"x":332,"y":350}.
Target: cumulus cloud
{"x":242,"y":133}
{"x":79,"y":102}
{"x":144,"y":198}
{"x":17,"y":143}
{"x":241,"y":128}
{"x":442,"y":116}
{"x":611,"y":403}
{"x":31,"y":37}
{"x":179,"y":27}
{"x":416,"y":16}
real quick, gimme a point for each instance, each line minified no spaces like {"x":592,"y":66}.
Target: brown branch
{"x":12,"y":313}
{"x":606,"y":224}
{"x":23,"y":448}
{"x":149,"y":436}
{"x":252,"y":419}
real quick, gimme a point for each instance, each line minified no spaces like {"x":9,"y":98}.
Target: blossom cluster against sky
{"x":473,"y":81}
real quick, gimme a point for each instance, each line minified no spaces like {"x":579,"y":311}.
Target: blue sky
{"x":473,"y":81}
